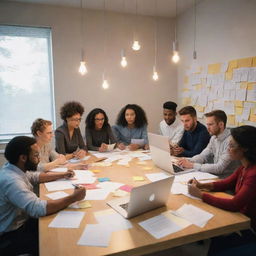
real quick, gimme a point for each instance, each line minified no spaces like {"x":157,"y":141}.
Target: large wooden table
{"x":135,"y":241}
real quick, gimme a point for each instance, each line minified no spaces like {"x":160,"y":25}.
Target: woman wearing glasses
{"x":69,"y":140}
{"x":98,"y":131}
{"x":243,"y":182}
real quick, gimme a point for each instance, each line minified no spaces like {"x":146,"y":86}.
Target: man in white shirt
{"x":214,"y":158}
{"x":171,"y":126}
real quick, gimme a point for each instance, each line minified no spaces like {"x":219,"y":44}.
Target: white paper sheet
{"x":198,"y":175}
{"x":156,"y":176}
{"x":109,"y":185}
{"x":67,"y":219}
{"x":95,"y":235}
{"x":115,"y":221}
{"x":57,"y":195}
{"x":96,"y":194}
{"x":60,"y":169}
{"x":159,"y":226}
{"x":58,"y":185}
{"x":194,"y":214}
{"x":138,"y":141}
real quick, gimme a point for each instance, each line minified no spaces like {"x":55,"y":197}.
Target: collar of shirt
{"x":223,"y":135}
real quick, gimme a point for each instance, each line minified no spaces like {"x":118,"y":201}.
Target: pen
{"x":76,"y":186}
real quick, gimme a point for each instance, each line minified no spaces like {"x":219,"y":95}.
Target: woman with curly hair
{"x":131,"y":128}
{"x":43,"y":133}
{"x":69,"y":140}
{"x":98,"y":131}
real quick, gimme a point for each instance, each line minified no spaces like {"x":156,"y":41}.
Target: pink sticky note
{"x":90,"y":186}
{"x":127,"y":188}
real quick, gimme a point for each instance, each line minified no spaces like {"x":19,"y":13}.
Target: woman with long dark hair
{"x":98,"y":131}
{"x":243,"y":182}
{"x":131,"y":128}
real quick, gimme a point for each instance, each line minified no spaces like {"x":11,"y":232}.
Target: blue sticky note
{"x":103,"y":179}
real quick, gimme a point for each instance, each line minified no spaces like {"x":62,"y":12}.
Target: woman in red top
{"x":243,"y":181}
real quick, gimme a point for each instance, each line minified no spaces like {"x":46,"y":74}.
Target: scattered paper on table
{"x":96,"y":194}
{"x":160,"y":226}
{"x":194,"y":214}
{"x":95,"y":235}
{"x":67,"y":219}
{"x":57,"y":195}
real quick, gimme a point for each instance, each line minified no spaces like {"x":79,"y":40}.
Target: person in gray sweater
{"x":98,"y":132}
{"x":214,"y":158}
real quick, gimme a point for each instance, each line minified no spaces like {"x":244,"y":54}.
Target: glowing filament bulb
{"x":136,"y":45}
{"x":82,"y":69}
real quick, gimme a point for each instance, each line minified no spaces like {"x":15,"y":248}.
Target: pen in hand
{"x":76,"y":186}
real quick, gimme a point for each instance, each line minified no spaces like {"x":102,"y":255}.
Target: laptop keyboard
{"x":124,"y":206}
{"x":177,"y":168}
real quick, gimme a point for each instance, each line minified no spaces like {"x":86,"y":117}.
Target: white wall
{"x":225,"y":31}
{"x":132,"y":85}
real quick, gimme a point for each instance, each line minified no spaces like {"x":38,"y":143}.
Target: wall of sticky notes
{"x":230,"y":86}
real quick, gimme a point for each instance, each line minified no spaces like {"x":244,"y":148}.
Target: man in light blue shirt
{"x":18,"y":202}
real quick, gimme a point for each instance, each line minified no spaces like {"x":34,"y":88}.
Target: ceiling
{"x":165,"y":8}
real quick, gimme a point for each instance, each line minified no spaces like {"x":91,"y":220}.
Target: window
{"x":26,"y":89}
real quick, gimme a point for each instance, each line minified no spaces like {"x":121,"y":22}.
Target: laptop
{"x":143,"y":198}
{"x":160,"y":153}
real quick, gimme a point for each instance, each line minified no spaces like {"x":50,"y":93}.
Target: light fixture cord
{"x":104,"y":46}
{"x":194,"y":25}
{"x":82,"y":29}
{"x":155,"y":32}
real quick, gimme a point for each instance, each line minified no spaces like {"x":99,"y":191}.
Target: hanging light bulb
{"x":136,"y":45}
{"x":82,"y":68}
{"x":105,"y":84}
{"x":175,"y":56}
{"x":155,"y":74}
{"x":123,"y":59}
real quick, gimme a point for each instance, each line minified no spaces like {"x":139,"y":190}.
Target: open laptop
{"x":143,"y":198}
{"x":160,"y":153}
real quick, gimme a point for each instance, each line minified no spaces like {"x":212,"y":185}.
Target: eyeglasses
{"x":99,"y":119}
{"x":76,"y":119}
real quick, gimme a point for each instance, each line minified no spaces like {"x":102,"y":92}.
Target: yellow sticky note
{"x":214,"y":68}
{"x":252,"y":118}
{"x":185,"y":79}
{"x":251,"y":86}
{"x":254,"y":62}
{"x":138,"y":178}
{"x":147,"y":168}
{"x":142,"y":163}
{"x":96,"y":171}
{"x":231,"y":65}
{"x":200,"y":108}
{"x":120,"y":193}
{"x":243,"y":85}
{"x":239,"y":111}
{"x":244,"y":63}
{"x":239,"y":103}
{"x":198,"y":87}
{"x":85,"y":204}
{"x":231,"y":120}
{"x":228,"y":75}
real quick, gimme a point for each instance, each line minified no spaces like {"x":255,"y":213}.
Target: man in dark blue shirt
{"x":195,"y":137}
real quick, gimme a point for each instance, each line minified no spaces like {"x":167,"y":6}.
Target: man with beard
{"x":215,"y":157}
{"x":18,"y":202}
{"x":195,"y":137}
{"x":171,"y":126}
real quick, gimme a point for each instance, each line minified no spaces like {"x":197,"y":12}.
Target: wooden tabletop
{"x":134,"y":241}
